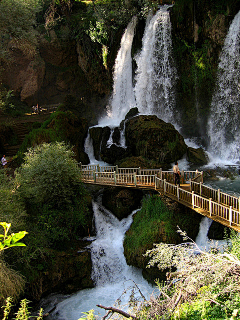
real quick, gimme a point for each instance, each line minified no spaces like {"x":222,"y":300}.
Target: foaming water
{"x":110,"y":273}
{"x":224,"y":122}
{"x":202,"y":240}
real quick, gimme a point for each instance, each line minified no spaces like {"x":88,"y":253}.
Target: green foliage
{"x":12,"y":240}
{"x":52,"y":130}
{"x":50,"y":183}
{"x":88,"y":315}
{"x":17,"y":22}
{"x":49,"y":174}
{"x":11,"y":283}
{"x":11,"y":205}
{"x":205,"y":286}
{"x":147,"y":226}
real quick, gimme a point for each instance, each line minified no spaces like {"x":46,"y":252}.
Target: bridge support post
{"x":230,"y":216}
{"x":193,"y":199}
{"x":160,"y":173}
{"x":210,"y":207}
{"x":135,"y":179}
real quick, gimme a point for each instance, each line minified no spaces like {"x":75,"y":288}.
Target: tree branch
{"x":123,"y":313}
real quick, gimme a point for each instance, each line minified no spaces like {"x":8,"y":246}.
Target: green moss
{"x":153,"y":223}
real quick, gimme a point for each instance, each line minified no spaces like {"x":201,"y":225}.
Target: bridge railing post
{"x":230,"y":216}
{"x":135,"y":179}
{"x":115,"y":177}
{"x":161,"y":173}
{"x":98,"y":168}
{"x":193,"y":199}
{"x":116,"y":168}
{"x":178,"y":192}
{"x":182,"y":177}
{"x":239,"y":204}
{"x":202,"y":176}
{"x":155,"y":180}
{"x":210,"y":207}
{"x":94,"y":176}
{"x":190,"y":184}
{"x":219,"y":194}
{"x":80,"y":165}
{"x":200,"y":188}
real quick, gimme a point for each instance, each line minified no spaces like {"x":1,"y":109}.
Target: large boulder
{"x":197,"y":156}
{"x":154,"y":139}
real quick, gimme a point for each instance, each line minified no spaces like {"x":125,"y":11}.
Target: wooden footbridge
{"x":192,"y":193}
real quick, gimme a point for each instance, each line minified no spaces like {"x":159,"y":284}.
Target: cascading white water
{"x":111,"y":274}
{"x":224,"y":121}
{"x":123,"y":97}
{"x":156,"y":74}
{"x":202,"y":240}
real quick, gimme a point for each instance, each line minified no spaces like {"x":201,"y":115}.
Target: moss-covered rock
{"x":154,"y":139}
{"x":65,"y":272}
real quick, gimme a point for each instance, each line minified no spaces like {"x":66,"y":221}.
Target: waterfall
{"x":156,"y":74}
{"x":123,"y":97}
{"x":202,"y":240}
{"x":110,"y":273}
{"x":224,"y":122}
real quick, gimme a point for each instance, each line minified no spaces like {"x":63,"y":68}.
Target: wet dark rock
{"x":112,"y":154}
{"x":197,"y":156}
{"x":154,"y":139}
{"x":122,"y":201}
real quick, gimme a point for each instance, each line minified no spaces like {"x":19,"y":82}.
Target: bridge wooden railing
{"x":206,"y":200}
{"x":215,"y":195}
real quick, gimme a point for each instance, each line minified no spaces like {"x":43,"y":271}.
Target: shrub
{"x":49,"y":181}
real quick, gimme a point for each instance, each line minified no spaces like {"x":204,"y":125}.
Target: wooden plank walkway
{"x":209,"y":202}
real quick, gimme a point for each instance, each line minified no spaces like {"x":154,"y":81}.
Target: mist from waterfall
{"x":113,"y":278}
{"x":156,"y":74}
{"x":224,"y":121}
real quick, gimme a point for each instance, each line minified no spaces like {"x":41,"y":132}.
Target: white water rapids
{"x":111,"y":274}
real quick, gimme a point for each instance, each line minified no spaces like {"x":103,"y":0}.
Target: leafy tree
{"x":49,"y":181}
{"x":17,"y":26}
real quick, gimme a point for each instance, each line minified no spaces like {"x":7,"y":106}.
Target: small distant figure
{"x":4,"y":161}
{"x":177,"y":174}
{"x":35,"y":109}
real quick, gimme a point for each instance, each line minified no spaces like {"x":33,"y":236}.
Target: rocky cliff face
{"x":59,"y":68}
